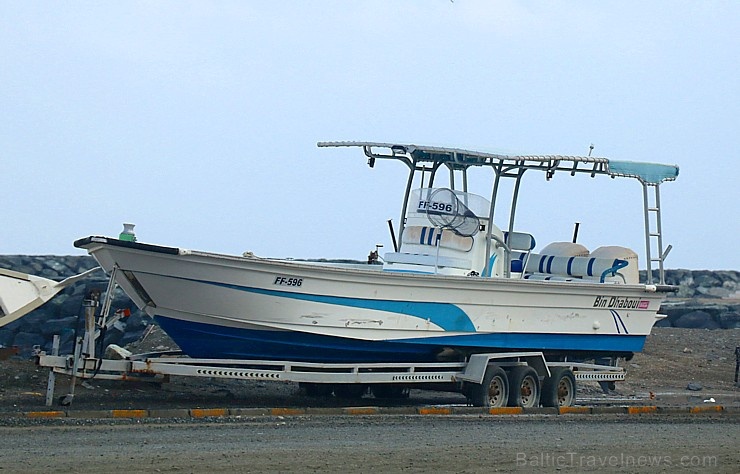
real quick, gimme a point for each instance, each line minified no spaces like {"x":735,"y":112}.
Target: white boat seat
{"x":422,"y":235}
{"x":580,"y":267}
{"x":427,"y":260}
{"x":519,"y":241}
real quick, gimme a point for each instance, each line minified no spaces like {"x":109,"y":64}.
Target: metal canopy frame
{"x":429,"y":158}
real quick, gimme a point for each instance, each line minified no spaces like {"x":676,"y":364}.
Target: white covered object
{"x":631,"y":272}
{"x":565,"y":249}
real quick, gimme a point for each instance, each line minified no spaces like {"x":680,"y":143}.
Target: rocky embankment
{"x":705,"y":300}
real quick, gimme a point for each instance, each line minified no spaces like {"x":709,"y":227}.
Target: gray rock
{"x":730,"y":320}
{"x":114,"y":334}
{"x":75,"y":291}
{"x":70,"y":305}
{"x":66,"y":342}
{"x":6,"y":337}
{"x":707,"y":279}
{"x":57,"y":326}
{"x":130,"y":337}
{"x":694,"y":386}
{"x":696,"y":320}
{"x":714,"y":292}
{"x":10,"y":261}
{"x":664,"y":323}
{"x":59,"y":267}
{"x":136,"y":322}
{"x":34,"y":320}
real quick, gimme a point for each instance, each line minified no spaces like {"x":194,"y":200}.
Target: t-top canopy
{"x":647,"y":173}
{"x":650,"y":173}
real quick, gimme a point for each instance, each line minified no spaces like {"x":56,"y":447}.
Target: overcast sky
{"x":198,"y":121}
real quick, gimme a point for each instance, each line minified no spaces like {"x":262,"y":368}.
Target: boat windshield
{"x":423,"y":200}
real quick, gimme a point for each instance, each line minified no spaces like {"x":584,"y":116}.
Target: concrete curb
{"x":372,"y":411}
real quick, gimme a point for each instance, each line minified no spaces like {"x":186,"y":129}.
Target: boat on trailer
{"x":456,"y":284}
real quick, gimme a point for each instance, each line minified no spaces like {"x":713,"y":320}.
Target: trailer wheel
{"x":559,"y":389}
{"x":349,"y":390}
{"x":493,"y":392}
{"x":524,"y":387}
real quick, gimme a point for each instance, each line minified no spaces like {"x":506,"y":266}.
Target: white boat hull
{"x":21,"y":293}
{"x":217,"y":306}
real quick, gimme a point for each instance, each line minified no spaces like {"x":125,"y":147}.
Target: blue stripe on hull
{"x":445,"y":315}
{"x":209,"y":341}
{"x":201,"y":340}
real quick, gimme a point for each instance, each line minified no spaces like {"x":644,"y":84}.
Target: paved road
{"x":471,"y":444}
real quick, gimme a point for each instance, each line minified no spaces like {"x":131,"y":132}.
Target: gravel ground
{"x":380,"y":444}
{"x":672,"y":359}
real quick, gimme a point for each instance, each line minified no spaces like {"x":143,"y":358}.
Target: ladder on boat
{"x":653,"y":232}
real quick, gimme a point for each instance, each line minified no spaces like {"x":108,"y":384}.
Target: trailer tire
{"x":493,"y":392}
{"x":524,"y":387}
{"x":559,"y":389}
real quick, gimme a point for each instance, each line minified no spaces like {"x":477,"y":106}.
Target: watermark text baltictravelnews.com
{"x":573,"y":459}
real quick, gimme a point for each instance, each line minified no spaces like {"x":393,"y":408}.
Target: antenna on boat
{"x":590,"y":149}
{"x":575,"y":231}
{"x":393,"y":235}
